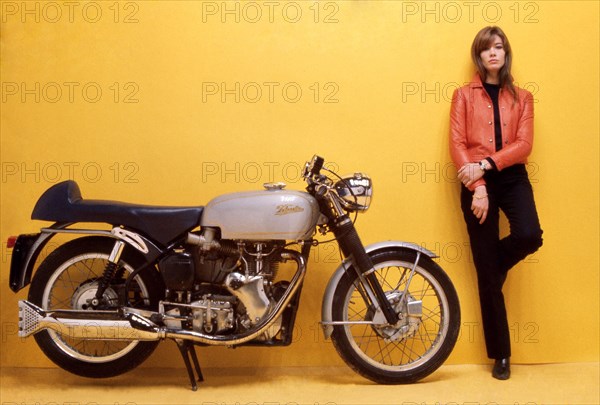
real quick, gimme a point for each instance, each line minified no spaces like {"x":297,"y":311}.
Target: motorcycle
{"x":98,"y":305}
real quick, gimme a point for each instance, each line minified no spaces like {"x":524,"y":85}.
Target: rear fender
{"x":326,"y":308}
{"x":29,"y":246}
{"x":26,"y":250}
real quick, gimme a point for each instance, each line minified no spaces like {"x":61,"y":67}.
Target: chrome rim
{"x":68,"y":287}
{"x":409,"y":352}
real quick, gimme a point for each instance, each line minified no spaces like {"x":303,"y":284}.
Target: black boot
{"x":501,"y":369}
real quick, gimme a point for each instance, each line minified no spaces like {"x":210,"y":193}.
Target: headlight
{"x":355,"y":191}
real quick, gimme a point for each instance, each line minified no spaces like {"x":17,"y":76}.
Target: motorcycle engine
{"x":226,"y":290}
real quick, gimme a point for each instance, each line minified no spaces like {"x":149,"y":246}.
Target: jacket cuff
{"x":491,"y":162}
{"x":480,"y":182}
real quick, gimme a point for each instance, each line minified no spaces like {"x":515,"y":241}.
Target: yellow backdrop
{"x":176,"y":102}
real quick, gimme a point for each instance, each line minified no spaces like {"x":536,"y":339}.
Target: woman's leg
{"x":516,"y":201}
{"x":484,"y":239}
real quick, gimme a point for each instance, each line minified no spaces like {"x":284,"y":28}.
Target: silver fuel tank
{"x":263,"y":215}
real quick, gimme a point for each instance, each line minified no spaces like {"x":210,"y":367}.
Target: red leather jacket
{"x":472,"y":127}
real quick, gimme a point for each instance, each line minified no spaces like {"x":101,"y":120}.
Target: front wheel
{"x":68,"y":279}
{"x":428,"y":326}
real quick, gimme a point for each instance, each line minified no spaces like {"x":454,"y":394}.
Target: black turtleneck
{"x":493,"y":90}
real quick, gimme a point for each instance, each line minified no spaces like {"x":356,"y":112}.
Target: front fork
{"x":352,"y":247}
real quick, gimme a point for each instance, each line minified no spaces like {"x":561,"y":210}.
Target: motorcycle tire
{"x":392,"y":355}
{"x":67,"y":279}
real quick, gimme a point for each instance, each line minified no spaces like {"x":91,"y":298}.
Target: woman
{"x":491,"y":135}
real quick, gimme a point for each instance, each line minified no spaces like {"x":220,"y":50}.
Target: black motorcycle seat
{"x":63,"y":203}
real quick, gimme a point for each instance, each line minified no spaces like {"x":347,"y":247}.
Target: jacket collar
{"x":476,"y":81}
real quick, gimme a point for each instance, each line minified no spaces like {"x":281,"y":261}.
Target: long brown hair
{"x":482,"y":41}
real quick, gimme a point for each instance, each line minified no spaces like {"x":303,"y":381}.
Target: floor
{"x":576,"y":383}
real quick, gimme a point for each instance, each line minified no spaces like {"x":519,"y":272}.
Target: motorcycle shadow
{"x":240,"y":378}
{"x":159,"y":383}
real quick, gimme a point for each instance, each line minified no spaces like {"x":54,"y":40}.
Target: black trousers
{"x":510,"y":191}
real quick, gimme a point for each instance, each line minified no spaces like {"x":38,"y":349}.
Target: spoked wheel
{"x":428,"y":326}
{"x":68,"y":279}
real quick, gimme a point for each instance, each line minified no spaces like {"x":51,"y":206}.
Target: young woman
{"x":491,"y":135}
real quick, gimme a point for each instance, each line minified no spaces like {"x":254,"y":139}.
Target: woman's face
{"x":493,"y":57}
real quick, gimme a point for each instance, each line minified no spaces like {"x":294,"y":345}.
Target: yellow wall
{"x":126,"y":98}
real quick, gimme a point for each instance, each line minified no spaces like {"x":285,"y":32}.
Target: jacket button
{"x":490,"y":122}
{"x":491,"y":140}
{"x":489,"y":106}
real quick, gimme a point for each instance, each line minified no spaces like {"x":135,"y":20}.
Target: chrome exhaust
{"x":92,"y":325}
{"x":132,"y":324}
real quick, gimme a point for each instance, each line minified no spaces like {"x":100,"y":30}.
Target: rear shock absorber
{"x":109,"y":272}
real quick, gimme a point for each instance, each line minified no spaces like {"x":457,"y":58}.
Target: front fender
{"x":326,"y":307}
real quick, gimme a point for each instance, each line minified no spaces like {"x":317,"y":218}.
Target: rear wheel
{"x":68,"y":279}
{"x":428,"y":326}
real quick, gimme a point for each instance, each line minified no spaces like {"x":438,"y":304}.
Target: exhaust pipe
{"x":130,"y":324}
{"x":96,"y":325}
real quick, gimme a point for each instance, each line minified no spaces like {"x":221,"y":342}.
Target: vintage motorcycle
{"x":98,"y":305}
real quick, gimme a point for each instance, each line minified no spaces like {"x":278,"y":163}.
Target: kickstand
{"x":187,"y":350}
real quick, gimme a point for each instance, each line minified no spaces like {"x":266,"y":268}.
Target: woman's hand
{"x":480,"y":204}
{"x":470,"y":173}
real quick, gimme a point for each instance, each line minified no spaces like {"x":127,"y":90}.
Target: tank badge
{"x":285,"y":209}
